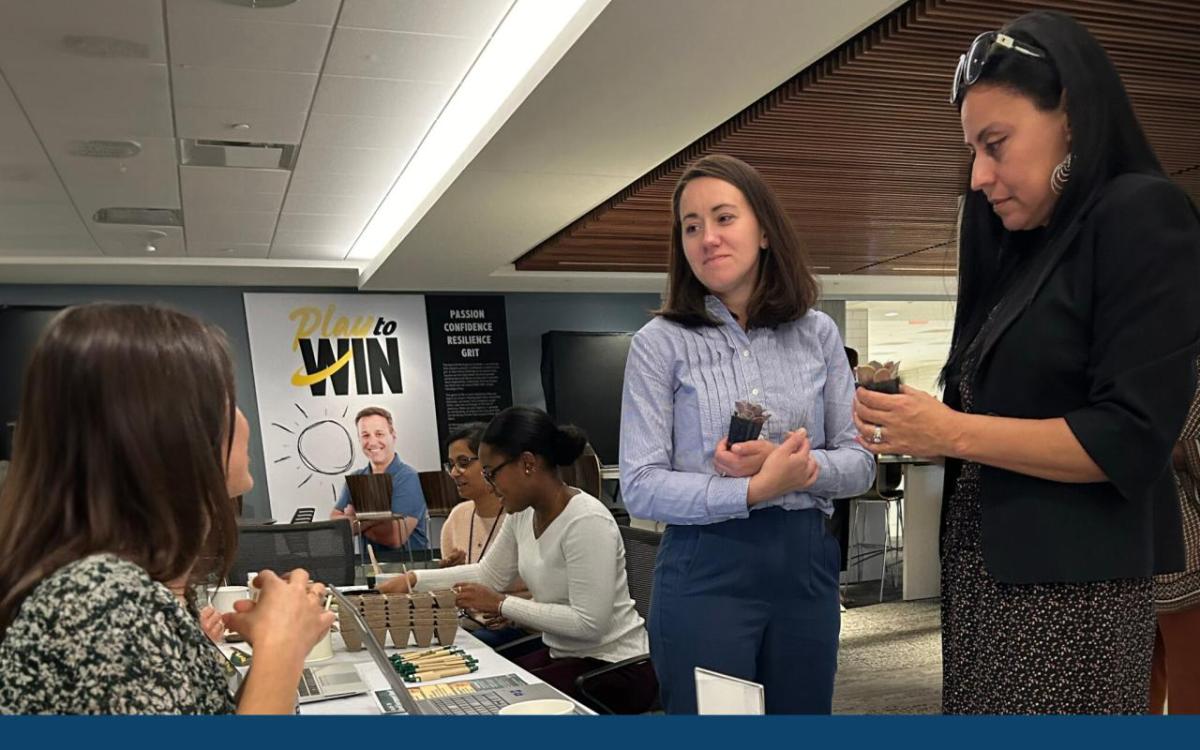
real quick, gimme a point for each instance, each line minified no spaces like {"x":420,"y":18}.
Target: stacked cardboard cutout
{"x":419,"y":616}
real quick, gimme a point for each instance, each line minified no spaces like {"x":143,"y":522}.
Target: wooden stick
{"x":374,"y":562}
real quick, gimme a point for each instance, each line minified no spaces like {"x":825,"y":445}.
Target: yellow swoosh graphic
{"x":299,"y":379}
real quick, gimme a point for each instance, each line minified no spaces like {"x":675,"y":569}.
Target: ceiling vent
{"x":105,"y":149}
{"x":205,"y":153}
{"x":152,"y":217}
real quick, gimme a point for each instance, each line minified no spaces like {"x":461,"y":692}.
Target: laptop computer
{"x":722,"y":695}
{"x":486,"y":697}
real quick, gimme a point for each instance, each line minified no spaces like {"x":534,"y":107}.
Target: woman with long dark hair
{"x":128,"y":450}
{"x":566,"y":547}
{"x":746,"y":581}
{"x":1069,"y":376}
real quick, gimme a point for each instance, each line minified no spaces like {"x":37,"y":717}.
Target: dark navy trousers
{"x":755,"y":598}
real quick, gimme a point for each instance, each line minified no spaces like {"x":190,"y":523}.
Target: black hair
{"x":472,"y":432}
{"x":852,"y":355}
{"x":1106,"y":141}
{"x":520,"y":428}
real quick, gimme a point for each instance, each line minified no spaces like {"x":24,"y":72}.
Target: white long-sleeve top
{"x":576,"y":573}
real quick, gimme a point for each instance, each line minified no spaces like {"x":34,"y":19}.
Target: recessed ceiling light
{"x":105,"y":46}
{"x":105,"y":149}
{"x":890,"y":314}
{"x":240,"y":126}
{"x":151,"y":248}
{"x":261,"y":3}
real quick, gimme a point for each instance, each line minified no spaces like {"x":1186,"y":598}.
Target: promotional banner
{"x":468,"y":341}
{"x":318,"y":359}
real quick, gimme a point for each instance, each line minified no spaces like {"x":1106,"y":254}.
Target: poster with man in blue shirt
{"x":377,"y":438}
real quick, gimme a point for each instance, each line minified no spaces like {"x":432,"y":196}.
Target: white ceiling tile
{"x":148,"y":179}
{"x":234,"y":43}
{"x":266,"y":126}
{"x":305,"y":203}
{"x":254,"y":228}
{"x":343,"y":227}
{"x":469,"y":18}
{"x":360,"y":162}
{"x":230,"y":189}
{"x":313,"y":182}
{"x":340,"y":238}
{"x":41,"y":29}
{"x":131,"y":241}
{"x":380,"y":97}
{"x":46,"y":218}
{"x":227,"y":250}
{"x":395,"y":54}
{"x":130,"y":99}
{"x":41,"y":246}
{"x":232,"y":88}
{"x":294,"y":251}
{"x":358,"y":131}
{"x":319,"y":12}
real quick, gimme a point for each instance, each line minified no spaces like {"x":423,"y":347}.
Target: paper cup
{"x":223,"y":600}
{"x":539,"y":707}
{"x":322,"y":651}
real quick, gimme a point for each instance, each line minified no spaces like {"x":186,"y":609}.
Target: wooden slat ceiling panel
{"x":865,"y":152}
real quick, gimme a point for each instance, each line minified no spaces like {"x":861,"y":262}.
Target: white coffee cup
{"x":225,"y":596}
{"x":322,"y":651}
{"x":539,"y":707}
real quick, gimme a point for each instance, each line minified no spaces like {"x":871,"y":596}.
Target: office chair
{"x":885,"y":492}
{"x":585,"y":473}
{"x":641,"y":550}
{"x":324,"y":548}
{"x":304,"y":515}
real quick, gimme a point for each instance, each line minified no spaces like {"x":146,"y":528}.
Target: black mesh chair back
{"x":641,"y":550}
{"x":325,"y":549}
{"x":304,"y":515}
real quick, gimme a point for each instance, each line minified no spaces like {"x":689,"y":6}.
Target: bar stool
{"x":886,"y":491}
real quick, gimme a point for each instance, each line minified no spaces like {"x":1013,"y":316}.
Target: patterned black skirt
{"x":1074,"y":648}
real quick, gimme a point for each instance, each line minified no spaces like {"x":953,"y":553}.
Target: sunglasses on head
{"x":989,"y":43}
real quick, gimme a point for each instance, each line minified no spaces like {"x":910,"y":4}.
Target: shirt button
{"x":745,"y":352}
{"x":754,"y":392}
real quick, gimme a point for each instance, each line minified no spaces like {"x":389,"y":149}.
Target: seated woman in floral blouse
{"x":129,"y":448}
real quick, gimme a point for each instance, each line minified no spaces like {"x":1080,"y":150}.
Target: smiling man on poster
{"x":377,"y":438}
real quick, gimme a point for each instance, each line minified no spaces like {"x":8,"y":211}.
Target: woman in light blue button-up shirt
{"x":747,"y":574}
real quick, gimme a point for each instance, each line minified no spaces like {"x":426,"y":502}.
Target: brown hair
{"x":374,"y":411}
{"x":126,"y":425}
{"x":785,"y":288}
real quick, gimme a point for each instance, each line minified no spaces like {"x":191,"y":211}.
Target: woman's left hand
{"x":477,"y":597}
{"x":212,"y":624}
{"x":910,"y":423}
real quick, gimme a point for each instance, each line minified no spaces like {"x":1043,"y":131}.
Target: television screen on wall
{"x":582,"y":377}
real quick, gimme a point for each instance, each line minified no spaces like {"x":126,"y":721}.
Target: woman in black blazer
{"x":1068,"y":381}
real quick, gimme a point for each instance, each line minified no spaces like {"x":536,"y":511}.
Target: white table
{"x":491,"y":664}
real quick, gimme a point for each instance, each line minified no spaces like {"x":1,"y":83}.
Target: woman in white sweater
{"x":565,"y":545}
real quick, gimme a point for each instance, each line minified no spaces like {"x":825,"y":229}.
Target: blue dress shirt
{"x":680,"y":387}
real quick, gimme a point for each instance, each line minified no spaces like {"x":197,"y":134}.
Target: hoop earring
{"x":1061,"y":174}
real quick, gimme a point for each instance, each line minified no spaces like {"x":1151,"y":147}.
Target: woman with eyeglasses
{"x":474,"y":524}
{"x":565,"y":545}
{"x":1068,"y":380}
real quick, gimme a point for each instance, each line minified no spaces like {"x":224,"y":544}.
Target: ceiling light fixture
{"x":105,"y":149}
{"x":890,"y":314}
{"x":531,"y":39}
{"x":151,"y":248}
